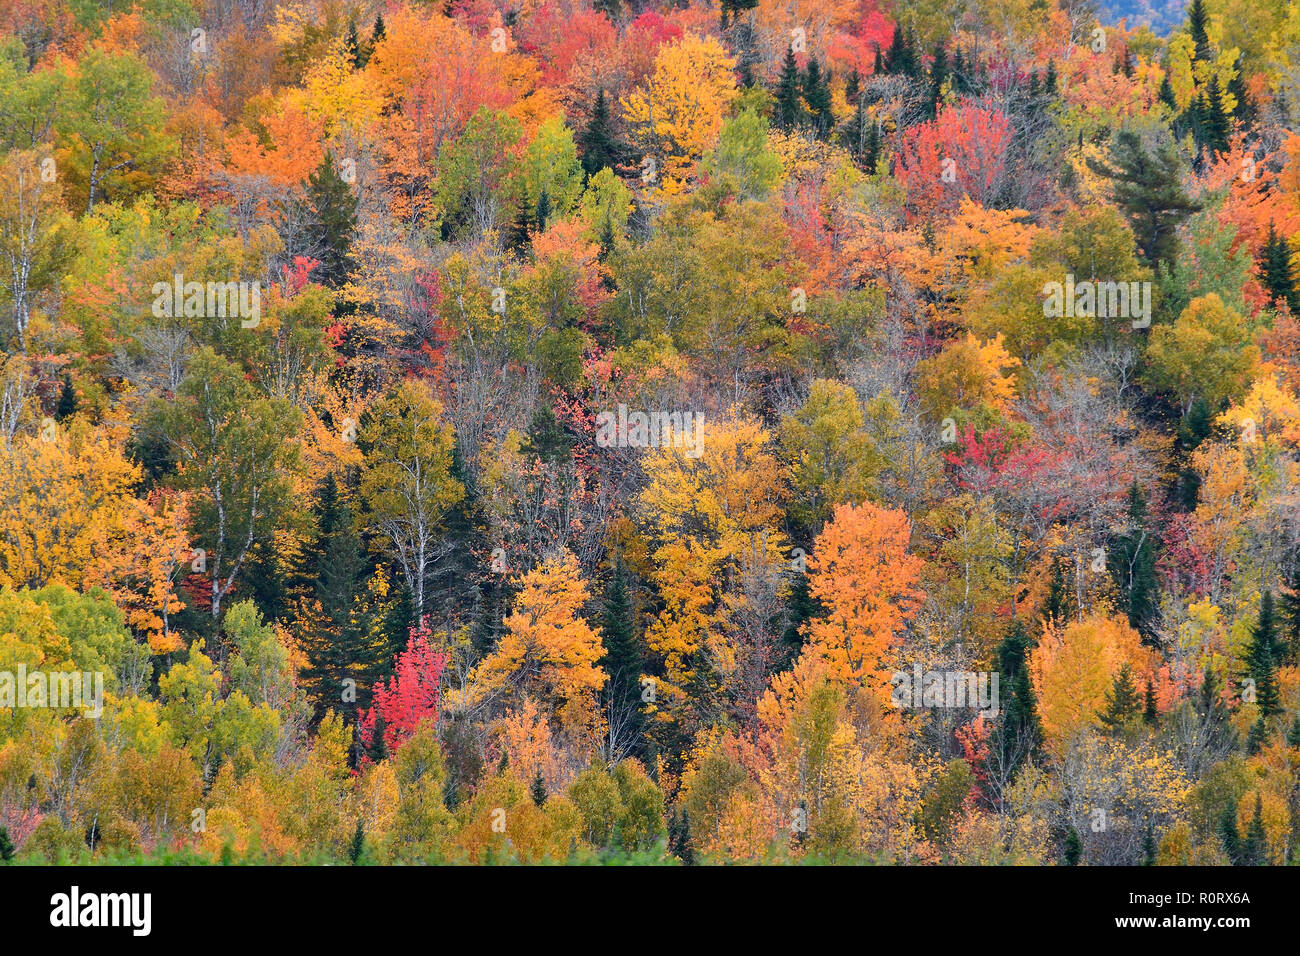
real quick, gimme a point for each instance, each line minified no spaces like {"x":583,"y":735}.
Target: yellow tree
{"x":677,"y":115}
{"x":707,"y":505}
{"x":1074,"y":666}
{"x":549,"y":651}
{"x":62,"y":493}
{"x":862,"y":574}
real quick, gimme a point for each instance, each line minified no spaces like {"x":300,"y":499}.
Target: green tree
{"x":111,"y":125}
{"x":788,"y":110}
{"x":407,"y":482}
{"x":816,"y":91}
{"x":598,"y":142}
{"x":624,"y":662}
{"x":939,"y":76}
{"x":1261,"y":659}
{"x":1123,"y":703}
{"x":742,"y":160}
{"x":1133,"y":566}
{"x":236,"y":454}
{"x":1275,"y":270}
{"x":1147,"y":188}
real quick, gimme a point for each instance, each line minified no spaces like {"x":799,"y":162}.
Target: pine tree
{"x":1123,"y":703}
{"x":787,"y":109}
{"x":598,"y":144}
{"x":1261,"y":661}
{"x":1049,"y":84}
{"x":1150,"y":713}
{"x":539,"y":789}
{"x":1133,"y":566}
{"x":1293,"y":735}
{"x":1073,"y":847}
{"x":378,"y":31}
{"x":332,"y":220}
{"x":1017,"y":735}
{"x":1276,"y":269}
{"x":1147,"y":188}
{"x":878,"y":64}
{"x":7,"y":851}
{"x":1012,"y":654}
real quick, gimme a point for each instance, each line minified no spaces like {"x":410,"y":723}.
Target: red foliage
{"x":411,"y":695}
{"x":960,"y":152}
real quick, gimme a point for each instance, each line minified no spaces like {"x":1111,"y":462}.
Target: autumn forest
{"x":649,"y":431}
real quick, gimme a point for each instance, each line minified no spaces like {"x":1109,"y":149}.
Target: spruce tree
{"x":358,"y":845}
{"x":341,"y":647}
{"x":1228,"y":835}
{"x":1123,"y":703}
{"x":538,"y":789}
{"x":377,"y":32}
{"x":817,"y":95}
{"x":67,"y":406}
{"x":939,"y":76}
{"x":1150,"y":713}
{"x":1166,"y":94}
{"x":871,"y":152}
{"x":1133,"y":566}
{"x":1073,"y":847}
{"x":1276,"y":269}
{"x":787,"y":109}
{"x":1261,"y":661}
{"x":1254,"y":849}
{"x":352,"y":45}
{"x":543,"y":209}
{"x":1192,"y":430}
{"x":853,"y":86}
{"x":597,"y":142}
{"x":1049,"y":83}
{"x":332,"y":220}
{"x":1149,"y":847}
{"x":1216,"y":127}
{"x":624,"y":661}
{"x":1289,"y":609}
{"x":1244,"y":111}
{"x":7,"y":851}
{"x":1197,"y":22}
